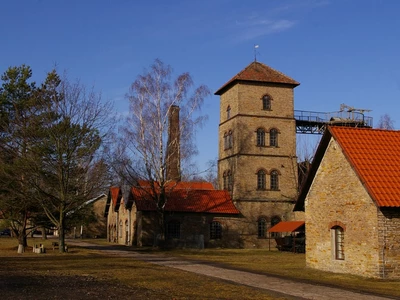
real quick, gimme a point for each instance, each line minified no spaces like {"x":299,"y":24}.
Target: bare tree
{"x":68,"y":165}
{"x":386,"y":122}
{"x":148,"y":150}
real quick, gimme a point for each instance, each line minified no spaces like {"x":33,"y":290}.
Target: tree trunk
{"x":61,"y":232}
{"x":21,"y":244}
{"x":44,"y":235}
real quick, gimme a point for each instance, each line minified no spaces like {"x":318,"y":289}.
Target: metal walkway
{"x":316,"y":122}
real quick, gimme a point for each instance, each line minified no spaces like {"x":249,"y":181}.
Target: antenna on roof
{"x":255,"y":52}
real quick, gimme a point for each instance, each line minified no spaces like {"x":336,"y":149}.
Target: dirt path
{"x":286,"y":287}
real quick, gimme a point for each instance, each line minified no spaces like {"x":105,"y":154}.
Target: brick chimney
{"x":173,"y":158}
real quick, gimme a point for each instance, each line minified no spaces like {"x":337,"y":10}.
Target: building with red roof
{"x":351,"y":200}
{"x":194,"y":215}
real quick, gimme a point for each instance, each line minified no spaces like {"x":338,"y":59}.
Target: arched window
{"x":274,"y":180}
{"x":230,"y":139}
{"x":215,"y":230}
{"x":261,"y":180}
{"x":225,"y":183}
{"x":230,"y":180}
{"x":260,"y":137}
{"x":275,"y":220}
{"x":261,"y":227}
{"x":338,"y":242}
{"x":225,"y":140}
{"x":273,"y":137}
{"x":120,"y":229}
{"x":266,"y":102}
{"x":173,"y":229}
{"x":228,"y":112}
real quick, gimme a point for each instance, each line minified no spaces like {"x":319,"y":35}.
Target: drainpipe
{"x":117,"y":227}
{"x":129,"y":227}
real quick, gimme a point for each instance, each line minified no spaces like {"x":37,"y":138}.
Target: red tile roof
{"x":258,"y":72}
{"x":288,"y":226}
{"x":375,"y":156}
{"x":173,"y":185}
{"x":183,"y":199}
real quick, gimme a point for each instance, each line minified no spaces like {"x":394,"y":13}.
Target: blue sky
{"x":341,"y":51}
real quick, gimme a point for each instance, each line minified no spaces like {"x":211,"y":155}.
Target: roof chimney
{"x":173,"y":158}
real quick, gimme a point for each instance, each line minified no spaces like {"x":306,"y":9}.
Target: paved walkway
{"x":284,"y":287}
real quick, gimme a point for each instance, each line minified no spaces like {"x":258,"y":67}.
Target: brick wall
{"x":245,"y":158}
{"x":338,"y":197}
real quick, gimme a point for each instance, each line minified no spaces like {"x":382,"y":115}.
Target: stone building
{"x":351,"y":200}
{"x":257,"y":151}
{"x":194,"y":216}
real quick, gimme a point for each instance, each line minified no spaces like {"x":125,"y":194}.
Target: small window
{"x":228,"y":112}
{"x":173,"y":230}
{"x":261,"y":225}
{"x":274,"y":180}
{"x":228,"y":140}
{"x":260,"y":137}
{"x":225,"y":183}
{"x":228,"y":180}
{"x":273,"y":137}
{"x":261,"y":180}
{"x":338,"y":237}
{"x":266,"y":101}
{"x":120,"y":229}
{"x":215,"y":230}
{"x":275,"y":220}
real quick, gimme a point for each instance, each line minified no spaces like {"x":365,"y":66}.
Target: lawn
{"x":87,"y":274}
{"x":164,"y":282}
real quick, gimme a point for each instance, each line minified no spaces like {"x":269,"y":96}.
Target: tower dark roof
{"x":258,"y":72}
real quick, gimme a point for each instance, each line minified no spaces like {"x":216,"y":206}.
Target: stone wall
{"x":121,"y":225}
{"x":338,"y":197}
{"x":389,"y":239}
{"x":245,"y":158}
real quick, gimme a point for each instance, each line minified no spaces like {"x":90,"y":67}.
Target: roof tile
{"x":374,"y":154}
{"x":258,"y":72}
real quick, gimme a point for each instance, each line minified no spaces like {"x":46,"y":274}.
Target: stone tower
{"x":257,"y":151}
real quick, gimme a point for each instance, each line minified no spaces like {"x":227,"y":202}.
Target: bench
{"x":56,"y":245}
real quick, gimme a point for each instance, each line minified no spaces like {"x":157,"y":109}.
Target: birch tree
{"x":147,"y":149}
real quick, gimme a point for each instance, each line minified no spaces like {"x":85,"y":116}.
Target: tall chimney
{"x":173,"y":158}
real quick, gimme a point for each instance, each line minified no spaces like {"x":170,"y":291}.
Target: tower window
{"x":266,"y":102}
{"x":228,"y":180}
{"x":173,"y":230}
{"x":274,"y":180}
{"x":275,"y":220}
{"x":228,"y":112}
{"x":261,"y":227}
{"x":215,"y":230}
{"x":260,"y":137}
{"x":273,"y":137}
{"x":261,"y":180}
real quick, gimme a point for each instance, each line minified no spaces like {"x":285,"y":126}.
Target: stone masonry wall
{"x":114,"y":221}
{"x":389,"y":239}
{"x":245,"y":158}
{"x":338,"y":197}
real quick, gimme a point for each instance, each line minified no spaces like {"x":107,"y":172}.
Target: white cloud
{"x":254,"y":28}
